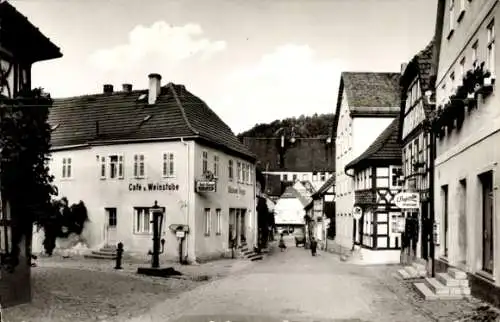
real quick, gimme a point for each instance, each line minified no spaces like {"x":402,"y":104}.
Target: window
{"x":304,"y":177}
{"x":452,"y":80}
{"x":250,"y":179}
{"x":168,"y":165}
{"x":230,"y":169}
{"x":142,"y":220}
{"x":323,"y":176}
{"x":462,"y":68}
{"x":294,"y":177}
{"x":121,"y":167}
{"x":240,"y":171}
{"x":452,"y":17}
{"x":204,"y":164}
{"x":113,"y":166}
{"x":66,"y":168}
{"x":102,"y":161}
{"x":219,"y":221}
{"x":396,"y":174}
{"x":244,"y":172}
{"x":474,"y":53}
{"x":139,"y":165}
{"x":461,"y":13}
{"x":285,"y":177}
{"x":216,"y":166}
{"x":491,"y":47}
{"x":207,"y":221}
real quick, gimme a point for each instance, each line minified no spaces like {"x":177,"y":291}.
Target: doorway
{"x":111,"y":223}
{"x":243,"y":235}
{"x":487,"y":214}
{"x":462,"y":222}
{"x":444,"y":190}
{"x":425,"y":231}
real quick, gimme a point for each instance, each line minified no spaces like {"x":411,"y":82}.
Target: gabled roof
{"x":292,"y":193}
{"x":325,"y":187}
{"x":122,"y":117}
{"x":386,"y":147}
{"x":369,"y":93}
{"x":420,"y":66}
{"x":20,"y":36}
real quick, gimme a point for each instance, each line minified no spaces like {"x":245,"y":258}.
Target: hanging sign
{"x":357,"y":212}
{"x":207,"y":183}
{"x":407,"y":200}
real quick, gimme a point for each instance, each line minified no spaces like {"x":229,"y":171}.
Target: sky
{"x":251,"y":61}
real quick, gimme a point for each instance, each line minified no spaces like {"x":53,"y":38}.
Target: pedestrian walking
{"x":314,"y":246}
{"x":282,"y":243}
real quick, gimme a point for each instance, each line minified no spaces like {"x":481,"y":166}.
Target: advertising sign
{"x":407,"y":200}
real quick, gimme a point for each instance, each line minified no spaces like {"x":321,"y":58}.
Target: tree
{"x":25,"y":181}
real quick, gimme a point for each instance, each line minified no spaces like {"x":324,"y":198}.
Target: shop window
{"x":218,"y":216}
{"x":207,"y":221}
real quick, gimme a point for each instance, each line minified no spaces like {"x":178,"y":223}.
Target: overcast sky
{"x":252,"y":61}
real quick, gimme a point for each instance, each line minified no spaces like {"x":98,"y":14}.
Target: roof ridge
{"x":181,"y":107}
{"x":135,"y":91}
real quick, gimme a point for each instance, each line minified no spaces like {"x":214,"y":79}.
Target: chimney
{"x":107,"y":88}
{"x":127,"y":88}
{"x":154,"y":87}
{"x":403,"y":68}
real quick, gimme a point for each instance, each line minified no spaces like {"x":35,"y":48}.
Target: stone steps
{"x":103,"y":253}
{"x":452,"y":285}
{"x":415,"y":271}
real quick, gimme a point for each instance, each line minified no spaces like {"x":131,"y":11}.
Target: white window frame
{"x":451,"y":12}
{"x":250,"y":169}
{"x":168,"y":164}
{"x":121,"y":166}
{"x":204,"y":161}
{"x":218,"y":216}
{"x":67,"y":170}
{"x":216,"y":165}
{"x":110,"y":163}
{"x":139,"y":227}
{"x":102,"y":167}
{"x":137,"y":166}
{"x":207,"y":220}
{"x":230,"y":170}
{"x":239,"y":171}
{"x":474,"y":56}
{"x":491,"y":46}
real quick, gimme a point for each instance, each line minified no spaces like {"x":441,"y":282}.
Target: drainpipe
{"x":188,"y":179}
{"x":353,"y":220}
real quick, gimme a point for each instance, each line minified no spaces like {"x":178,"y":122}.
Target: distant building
{"x":289,"y":209}
{"x":21,"y":45}
{"x":377,"y":179}
{"x":367,"y":103}
{"x":120,"y":151}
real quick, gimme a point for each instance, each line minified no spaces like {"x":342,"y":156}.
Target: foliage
{"x":308,"y":126}
{"x":25,"y":181}
{"x":62,"y":222}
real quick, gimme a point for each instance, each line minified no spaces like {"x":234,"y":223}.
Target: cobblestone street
{"x":290,"y":285}
{"x":295,"y":286}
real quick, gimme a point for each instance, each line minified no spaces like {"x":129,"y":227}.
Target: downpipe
{"x":188,"y":202}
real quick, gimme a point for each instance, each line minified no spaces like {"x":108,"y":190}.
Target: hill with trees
{"x":307,"y":126}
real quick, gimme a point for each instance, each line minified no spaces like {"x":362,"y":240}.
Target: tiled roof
{"x":19,"y":35}
{"x":121,"y":117}
{"x":369,"y":94}
{"x":386,"y":147}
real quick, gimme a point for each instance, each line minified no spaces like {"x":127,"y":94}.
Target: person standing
{"x":314,"y":246}
{"x":282,"y":243}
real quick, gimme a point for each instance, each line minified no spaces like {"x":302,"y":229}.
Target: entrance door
{"x":462,"y":222}
{"x":487,"y":196}
{"x":243,"y":230}
{"x":425,"y":231}
{"x":232,"y":225}
{"x":111,"y":226}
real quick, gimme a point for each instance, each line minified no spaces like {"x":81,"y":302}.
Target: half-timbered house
{"x":21,"y":45}
{"x":377,"y":179}
{"x":415,"y":108}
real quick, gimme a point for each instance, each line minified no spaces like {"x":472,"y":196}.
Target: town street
{"x":295,"y":286}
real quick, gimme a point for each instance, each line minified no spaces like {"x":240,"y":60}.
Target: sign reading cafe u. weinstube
{"x":153,"y":187}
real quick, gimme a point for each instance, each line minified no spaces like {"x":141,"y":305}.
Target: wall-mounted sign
{"x":236,"y":190}
{"x":153,"y":187}
{"x":357,"y":212}
{"x":207,"y":183}
{"x":407,"y":200}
